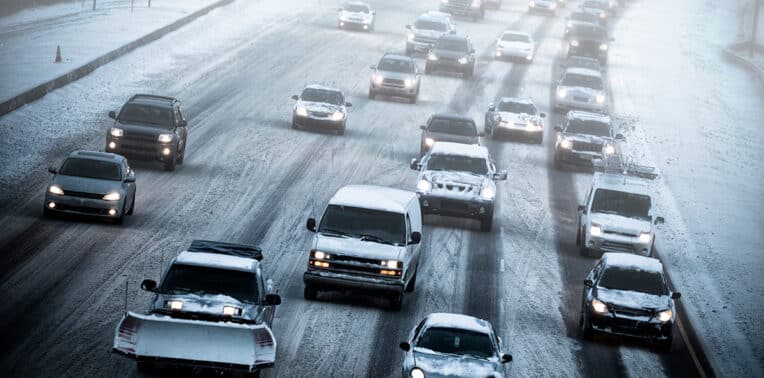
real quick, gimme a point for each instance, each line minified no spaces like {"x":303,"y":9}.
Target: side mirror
{"x":542,"y":115}
{"x":500,"y":175}
{"x":408,"y":27}
{"x":149,"y":285}
{"x":311,"y":224}
{"x":295,"y":97}
{"x":659,"y":220}
{"x":52,"y":169}
{"x":581,"y":208}
{"x":676,"y":295}
{"x":620,"y":137}
{"x":423,"y":127}
{"x":506,"y":358}
{"x":183,"y":123}
{"x":405,"y":346}
{"x":272,"y":300}
{"x":416,"y":237}
{"x":414,"y":165}
{"x":558,"y":128}
{"x":130,"y":176}
{"x":347,"y":104}
{"x":588,"y":283}
{"x":113,"y":114}
{"x":491,"y":107}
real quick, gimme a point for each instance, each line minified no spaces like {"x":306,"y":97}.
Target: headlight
{"x":55,"y":189}
{"x":553,"y":6}
{"x":570,"y":23}
{"x":603,"y":47}
{"x":321,"y":255}
{"x":566,"y":144}
{"x":423,"y":186}
{"x":231,"y":311}
{"x":337,"y":116}
{"x":378,"y":79}
{"x":487,"y":193}
{"x":113,"y":196}
{"x":463,"y":60}
{"x":665,"y":315}
{"x":176,"y":305}
{"x":392,"y":264}
{"x":609,"y":149}
{"x":475,"y":4}
{"x":417,"y":373}
{"x":429,"y":142}
{"x":598,"y":306}
{"x":301,"y":111}
{"x":595,"y":230}
{"x":574,"y":43}
{"x":411,"y":37}
{"x":408,"y":83}
{"x":432,"y":57}
{"x":531,"y":3}
{"x":600,"y":98}
{"x":645,"y":237}
{"x":603,"y":15}
{"x":165,"y":138}
{"x":561,"y":93}
{"x":116,"y":132}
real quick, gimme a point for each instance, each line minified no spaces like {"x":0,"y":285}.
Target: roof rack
{"x":230,"y":249}
{"x":624,"y":166}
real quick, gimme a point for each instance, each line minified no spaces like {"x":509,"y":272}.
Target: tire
{"x":46,"y":213}
{"x":475,"y":17}
{"x":181,"y":155}
{"x":396,"y":301}
{"x":468,"y":73}
{"x":587,"y":333}
{"x":409,"y":51}
{"x":412,"y":283}
{"x":371,"y":95}
{"x":294,"y":125}
{"x":427,"y":69}
{"x":170,"y":164}
{"x":145,"y":366}
{"x":310,"y":293}
{"x":665,"y":345}
{"x":341,"y":131}
{"x":412,"y":99}
{"x":486,"y":224}
{"x":558,"y":166}
{"x":132,"y":206}
{"x":539,"y":139}
{"x":582,"y":246}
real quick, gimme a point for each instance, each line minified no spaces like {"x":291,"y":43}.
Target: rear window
{"x":588,"y":32}
{"x":356,"y":8}
{"x":453,"y":126}
{"x":586,"y":81}
{"x":90,"y":168}
{"x":452,"y":44}
{"x":580,"y":62}
{"x":147,"y":114}
{"x":584,"y":16}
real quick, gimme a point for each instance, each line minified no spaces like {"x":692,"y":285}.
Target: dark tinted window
{"x":596,"y":128}
{"x":580,"y":62}
{"x":147,"y":114}
{"x":456,"y":341}
{"x":453,"y":126}
{"x":356,"y":222}
{"x":618,"y":278}
{"x":621,"y":203}
{"x":431,"y":25}
{"x":588,"y":32}
{"x":356,"y":8}
{"x":440,"y":162}
{"x":322,"y":95}
{"x":90,"y":168}
{"x":189,"y":279}
{"x":586,"y":81}
{"x":453,"y":44}
{"x":396,"y":65}
{"x":517,"y":107}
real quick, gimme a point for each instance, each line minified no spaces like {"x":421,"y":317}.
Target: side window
{"x":408,"y":226}
{"x":261,"y":285}
{"x":417,"y":330}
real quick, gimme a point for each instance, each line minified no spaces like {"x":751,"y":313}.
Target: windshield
{"x":591,"y":64}
{"x":452,"y":45}
{"x":517,"y":107}
{"x":587,"y":32}
{"x":356,"y":8}
{"x":396,"y":65}
{"x":595,"y":128}
{"x":199,"y":280}
{"x":618,"y":278}
{"x":146,"y":114}
{"x":322,"y":95}
{"x":374,"y":225}
{"x":586,"y":81}
{"x":584,"y":16}
{"x":453,"y":126}
{"x":458,"y":163}
{"x":90,"y":168}
{"x":621,"y":203}
{"x":430,"y":25}
{"x":456,"y":341}
{"x":594,"y":4}
{"x":511,"y":37}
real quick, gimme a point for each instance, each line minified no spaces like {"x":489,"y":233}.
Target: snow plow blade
{"x":217,"y":345}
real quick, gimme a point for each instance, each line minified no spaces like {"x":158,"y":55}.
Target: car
{"x":583,"y":62}
{"x":453,"y":345}
{"x":474,"y":9}
{"x":511,"y":115}
{"x":212,"y":310}
{"x":588,"y":40}
{"x":427,"y":28}
{"x":458,"y":180}
{"x":91,"y":183}
{"x":453,"y":53}
{"x":320,"y":107}
{"x":542,"y":6}
{"x":395,"y":75}
{"x":448,"y":127}
{"x":583,"y":137}
{"x":356,"y":15}
{"x":150,"y":127}
{"x":617,"y":214}
{"x":581,"y":88}
{"x":628,"y":295}
{"x":580,"y":17}
{"x":368,"y":239}
{"x":601,"y":8}
{"x":515,"y":45}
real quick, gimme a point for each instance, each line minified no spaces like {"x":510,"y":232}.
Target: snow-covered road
{"x":249,"y":178}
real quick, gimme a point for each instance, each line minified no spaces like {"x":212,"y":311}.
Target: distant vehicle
{"x":518,"y":116}
{"x":628,"y":295}
{"x":580,"y":17}
{"x":356,"y":15}
{"x":583,"y":62}
{"x":320,"y":107}
{"x":212,"y":310}
{"x":149,"y":128}
{"x":588,"y":40}
{"x":474,"y":9}
{"x":452,"y":53}
{"x":581,"y":89}
{"x":426,"y":30}
{"x":542,"y":6}
{"x":601,"y":8}
{"x":453,"y":345}
{"x":92,"y":183}
{"x":447,"y":127}
{"x":583,"y":137}
{"x":368,"y":240}
{"x":458,"y":180}
{"x":395,"y":75}
{"x":515,"y":45}
{"x":617,"y":214}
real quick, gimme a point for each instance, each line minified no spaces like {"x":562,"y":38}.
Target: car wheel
{"x":486,"y":224}
{"x":310,"y":293}
{"x":47,"y":213}
{"x":144,"y":366}
{"x":371,"y":95}
{"x":412,"y":283}
{"x":582,"y":245}
{"x":132,"y":206}
{"x":341,"y":131}
{"x":412,"y":99}
{"x":396,"y":301}
{"x":170,"y":164}
{"x":181,"y":155}
{"x":652,"y":249}
{"x":468,"y":73}
{"x":427,"y":69}
{"x":665,"y":345}
{"x":558,"y":165}
{"x":586,"y":327}
{"x":540,"y":139}
{"x":475,"y":17}
{"x":409,"y":51}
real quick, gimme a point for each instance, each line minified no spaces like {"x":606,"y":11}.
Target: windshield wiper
{"x":376,"y":239}
{"x":331,"y":232}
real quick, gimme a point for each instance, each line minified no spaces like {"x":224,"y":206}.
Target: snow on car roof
{"x":459,"y":321}
{"x":373,"y":197}
{"x":517,"y":100}
{"x":216,"y":260}
{"x":449,"y":148}
{"x":515,"y":32}
{"x":632,"y":261}
{"x":435,"y":16}
{"x":623,"y":183}
{"x":583,"y":71}
{"x":322,"y":87}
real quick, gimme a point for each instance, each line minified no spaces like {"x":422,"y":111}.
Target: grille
{"x":454,"y":187}
{"x":73,"y":193}
{"x":81,"y":209}
{"x":393,"y":83}
{"x":352,"y":264}
{"x":588,"y":147}
{"x":631,"y":312}
{"x":451,"y":205}
{"x":617,"y":247}
{"x":581,"y":99}
{"x":320,"y":114}
{"x":620,"y":233}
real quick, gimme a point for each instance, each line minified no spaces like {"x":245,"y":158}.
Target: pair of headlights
{"x":596,"y":230}
{"x":302,"y":111}
{"x":487,"y":192}
{"x":112,"y":196}
{"x":600,"y":307}
{"x":379,"y":79}
{"x":162,"y":138}
{"x":463,"y":60}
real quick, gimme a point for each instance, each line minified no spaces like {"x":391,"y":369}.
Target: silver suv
{"x":426,"y":30}
{"x":395,"y":75}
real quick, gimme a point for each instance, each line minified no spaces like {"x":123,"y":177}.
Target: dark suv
{"x":453,"y":53}
{"x":588,"y":40}
{"x":149,"y":127}
{"x":448,"y":128}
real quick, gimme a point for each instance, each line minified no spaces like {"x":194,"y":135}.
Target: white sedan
{"x":517,"y":45}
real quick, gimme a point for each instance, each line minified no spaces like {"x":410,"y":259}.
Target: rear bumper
{"x":328,"y":279}
{"x":419,"y":47}
{"x":447,"y":65}
{"x":474,"y":209}
{"x":518,"y":130}
{"x":83,"y":206}
{"x":570,"y":104}
{"x":513,"y":53}
{"x":576,"y":157}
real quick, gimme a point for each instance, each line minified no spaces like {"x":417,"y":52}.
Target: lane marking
{"x":690,"y":349}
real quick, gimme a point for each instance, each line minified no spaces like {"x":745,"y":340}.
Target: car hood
{"x":620,"y":224}
{"x":395,"y":75}
{"x":580,"y":91}
{"x":348,"y":246}
{"x":515,"y":45}
{"x":585,"y":138}
{"x":320,"y":107}
{"x":144,"y":129}
{"x":455,"y":178}
{"x":206,"y":304}
{"x":449,"y":53}
{"x":444,"y":365}
{"x":446,"y":137}
{"x":633,"y":299}
{"x":359,"y":15}
{"x":86,"y":185}
{"x":519,"y":117}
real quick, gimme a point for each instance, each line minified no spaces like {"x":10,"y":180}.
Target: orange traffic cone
{"x":58,"y":54}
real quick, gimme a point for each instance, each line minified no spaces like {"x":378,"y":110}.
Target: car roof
{"x":433,"y":17}
{"x":97,"y":155}
{"x":631,"y":261}
{"x":588,"y":116}
{"x":459,"y":149}
{"x":217,"y":261}
{"x":152,"y":100}
{"x":622,"y":183}
{"x":458,"y":321}
{"x":452,"y":116}
{"x":373,"y":197}
{"x":518,"y":100}
{"x":581,"y":25}
{"x":582,"y":71}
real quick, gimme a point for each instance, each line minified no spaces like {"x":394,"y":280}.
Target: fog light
{"x":482,"y":210}
{"x":166,"y":151}
{"x":426,"y":203}
{"x":112,"y":211}
{"x":112,"y":145}
{"x":498,"y":53}
{"x":342,"y":24}
{"x":365,"y":27}
{"x":52,"y":205}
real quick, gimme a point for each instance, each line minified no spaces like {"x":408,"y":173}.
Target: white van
{"x":367,"y":239}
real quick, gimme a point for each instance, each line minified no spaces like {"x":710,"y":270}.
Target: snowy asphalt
{"x":249,"y":178}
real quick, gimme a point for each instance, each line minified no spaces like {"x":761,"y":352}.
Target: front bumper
{"x":503,"y":52}
{"x":317,"y":123}
{"x":576,"y":157}
{"x":84,"y":206}
{"x":354,"y":23}
{"x":208,"y":366}
{"x":329,"y":279}
{"x":609,"y":242}
{"x":632,"y":326}
{"x":514,"y":129}
{"x":140,"y":150}
{"x":462,"y":208}
{"x":392,"y":90}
